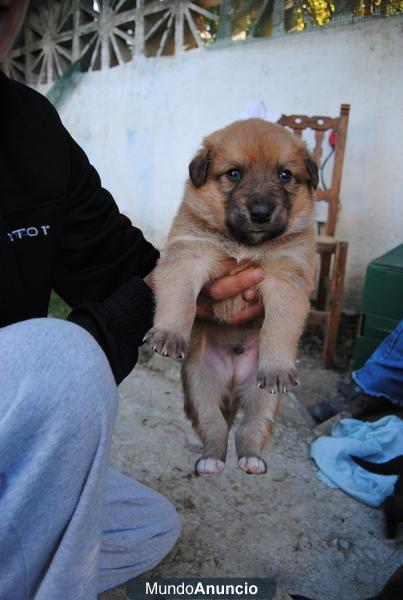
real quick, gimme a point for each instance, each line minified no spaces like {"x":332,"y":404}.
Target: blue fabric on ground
{"x":377,"y":442}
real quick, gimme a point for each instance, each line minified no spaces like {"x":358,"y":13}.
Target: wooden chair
{"x":332,"y":253}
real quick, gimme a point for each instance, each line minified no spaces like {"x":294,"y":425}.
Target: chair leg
{"x":335,"y":303}
{"x":323,"y":283}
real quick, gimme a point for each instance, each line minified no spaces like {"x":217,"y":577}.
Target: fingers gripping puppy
{"x":249,"y":197}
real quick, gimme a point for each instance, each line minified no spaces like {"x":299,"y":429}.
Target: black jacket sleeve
{"x":101,"y":263}
{"x":119,"y":324}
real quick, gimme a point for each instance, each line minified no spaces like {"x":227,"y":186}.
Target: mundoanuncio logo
{"x":188,"y":589}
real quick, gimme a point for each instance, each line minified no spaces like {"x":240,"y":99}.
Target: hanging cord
{"x":323,"y":165}
{"x":332,"y":143}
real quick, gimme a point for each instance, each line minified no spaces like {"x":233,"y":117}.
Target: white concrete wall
{"x":140,"y":123}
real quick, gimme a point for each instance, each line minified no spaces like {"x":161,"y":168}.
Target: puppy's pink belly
{"x":218,"y":360}
{"x":246,"y":364}
{"x":231,"y":368}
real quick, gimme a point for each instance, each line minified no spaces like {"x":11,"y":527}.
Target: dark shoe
{"x":350,"y":398}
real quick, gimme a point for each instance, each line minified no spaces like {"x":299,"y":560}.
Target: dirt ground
{"x":317,"y":382}
{"x":286,"y":525}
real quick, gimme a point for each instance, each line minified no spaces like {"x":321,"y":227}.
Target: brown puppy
{"x":249,"y":197}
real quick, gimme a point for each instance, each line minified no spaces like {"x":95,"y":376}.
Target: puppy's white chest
{"x":240,"y":253}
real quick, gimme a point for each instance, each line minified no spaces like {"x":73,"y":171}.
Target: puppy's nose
{"x":260,"y":213}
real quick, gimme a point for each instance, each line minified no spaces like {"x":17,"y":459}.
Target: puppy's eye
{"x":234,"y":174}
{"x":285,"y":175}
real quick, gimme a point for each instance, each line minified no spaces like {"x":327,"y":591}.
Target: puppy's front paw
{"x":167,"y":343}
{"x":277,"y":380}
{"x":209,"y":466}
{"x":254,"y":465}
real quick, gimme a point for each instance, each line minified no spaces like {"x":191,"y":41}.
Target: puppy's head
{"x":254,"y":180}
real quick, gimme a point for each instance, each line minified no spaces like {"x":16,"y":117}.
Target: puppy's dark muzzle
{"x":260,"y":213}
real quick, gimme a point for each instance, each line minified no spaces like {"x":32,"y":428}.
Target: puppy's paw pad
{"x":209,"y":466}
{"x":277,"y":380}
{"x":165,"y":342}
{"x":254,"y":465}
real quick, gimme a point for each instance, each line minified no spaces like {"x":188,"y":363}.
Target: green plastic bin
{"x":382,"y":303}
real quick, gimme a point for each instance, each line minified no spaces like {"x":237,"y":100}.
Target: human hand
{"x":228,"y":285}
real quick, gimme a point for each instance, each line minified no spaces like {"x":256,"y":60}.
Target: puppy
{"x":249,"y":197}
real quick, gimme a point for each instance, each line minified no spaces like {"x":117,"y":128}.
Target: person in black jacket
{"x":69,"y":528}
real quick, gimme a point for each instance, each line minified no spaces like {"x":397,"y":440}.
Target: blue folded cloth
{"x":378,"y":442}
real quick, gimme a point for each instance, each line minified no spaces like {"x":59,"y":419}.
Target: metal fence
{"x":104,"y":33}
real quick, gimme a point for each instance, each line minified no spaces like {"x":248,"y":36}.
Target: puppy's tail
{"x":391,"y":467}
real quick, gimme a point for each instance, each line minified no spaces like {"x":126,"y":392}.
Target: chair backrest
{"x":320,"y":125}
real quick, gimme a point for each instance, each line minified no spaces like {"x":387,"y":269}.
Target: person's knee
{"x":129,"y":552}
{"x":170,"y":527}
{"x":164,"y":532}
{"x":160,"y":532}
{"x":58,"y":372}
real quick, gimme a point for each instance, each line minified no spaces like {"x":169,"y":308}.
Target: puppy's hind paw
{"x":277,"y":380}
{"x":209,"y":466}
{"x":167,"y":343}
{"x":253,"y":465}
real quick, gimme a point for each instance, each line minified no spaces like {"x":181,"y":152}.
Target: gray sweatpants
{"x":69,"y":527}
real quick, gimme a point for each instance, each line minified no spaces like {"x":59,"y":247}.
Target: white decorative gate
{"x":57,"y":33}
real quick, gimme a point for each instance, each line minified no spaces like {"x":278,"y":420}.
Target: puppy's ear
{"x":312,"y":170}
{"x":199,"y":166}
